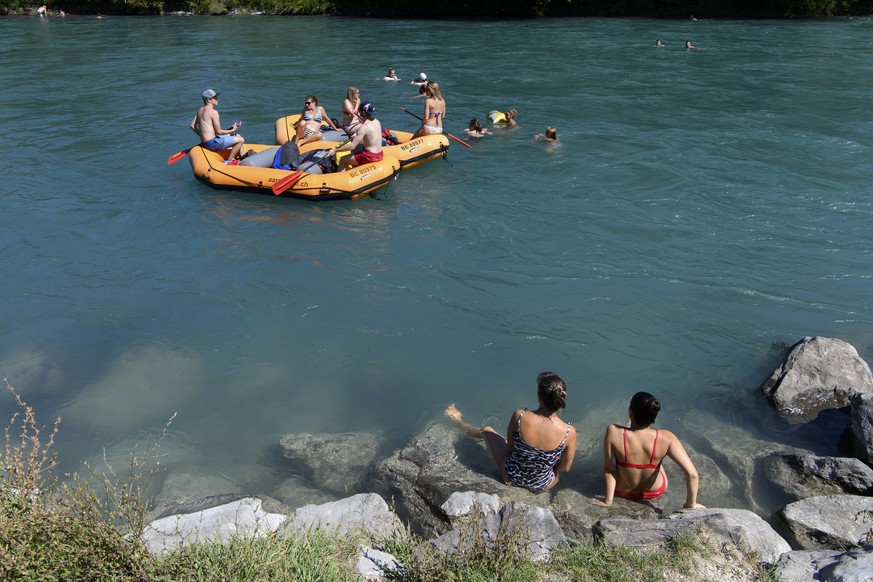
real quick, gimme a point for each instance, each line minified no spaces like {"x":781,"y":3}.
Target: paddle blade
{"x":463,"y":143}
{"x":177,"y":156}
{"x":287,"y":182}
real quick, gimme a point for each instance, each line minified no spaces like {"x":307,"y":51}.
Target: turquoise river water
{"x":702,"y":210}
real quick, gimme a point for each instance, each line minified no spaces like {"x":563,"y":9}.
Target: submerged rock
{"x":340,"y":463}
{"x":818,"y":374}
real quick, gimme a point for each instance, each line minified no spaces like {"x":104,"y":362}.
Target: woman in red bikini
{"x":626,"y":450}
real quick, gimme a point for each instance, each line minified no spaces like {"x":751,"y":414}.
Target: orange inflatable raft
{"x":209,"y":168}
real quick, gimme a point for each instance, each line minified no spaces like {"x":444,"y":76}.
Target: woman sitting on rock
{"x":638,"y":442}
{"x":538,"y":444}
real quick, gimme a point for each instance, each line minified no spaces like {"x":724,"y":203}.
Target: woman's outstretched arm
{"x":681,"y":458}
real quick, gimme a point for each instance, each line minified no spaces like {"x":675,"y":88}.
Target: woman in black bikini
{"x":639,"y":442}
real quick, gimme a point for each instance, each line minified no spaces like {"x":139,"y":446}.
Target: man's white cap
{"x":422,"y":76}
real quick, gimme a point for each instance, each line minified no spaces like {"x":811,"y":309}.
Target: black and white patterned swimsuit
{"x":529,"y":466}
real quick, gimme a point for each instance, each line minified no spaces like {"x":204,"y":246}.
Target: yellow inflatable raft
{"x":209,"y":168}
{"x":409,"y":152}
{"x":496,"y":117}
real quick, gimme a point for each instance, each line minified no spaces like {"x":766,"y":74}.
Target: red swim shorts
{"x":368,"y":157}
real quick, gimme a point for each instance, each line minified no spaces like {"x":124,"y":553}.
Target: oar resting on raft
{"x":294,"y":177}
{"x":463,"y":143}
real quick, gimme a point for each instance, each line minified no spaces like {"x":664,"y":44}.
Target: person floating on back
{"x":627,"y":448}
{"x":207,"y":125}
{"x":538,"y":444}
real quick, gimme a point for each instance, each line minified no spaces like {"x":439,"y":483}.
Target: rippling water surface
{"x":703,"y":209}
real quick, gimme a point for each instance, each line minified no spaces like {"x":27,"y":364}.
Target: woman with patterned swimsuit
{"x":536,"y":450}
{"x":638,"y":441}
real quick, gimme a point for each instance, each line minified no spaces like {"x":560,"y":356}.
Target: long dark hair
{"x":552,"y":391}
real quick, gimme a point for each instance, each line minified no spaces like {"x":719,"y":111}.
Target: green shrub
{"x":52,"y":530}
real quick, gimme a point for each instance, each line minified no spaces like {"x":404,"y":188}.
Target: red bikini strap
{"x":624,"y":437}
{"x":654,"y":446}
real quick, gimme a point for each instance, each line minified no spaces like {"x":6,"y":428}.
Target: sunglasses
{"x":308,"y":102}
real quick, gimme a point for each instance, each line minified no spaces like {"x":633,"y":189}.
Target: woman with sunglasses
{"x":311,"y":120}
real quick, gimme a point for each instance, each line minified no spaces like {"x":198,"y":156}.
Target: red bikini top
{"x":651,"y":464}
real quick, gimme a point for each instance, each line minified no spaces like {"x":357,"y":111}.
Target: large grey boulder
{"x":741,"y":528}
{"x":818,"y":374}
{"x":803,"y":476}
{"x":340,"y":463}
{"x":243,"y":517}
{"x":829,"y":522}
{"x":854,"y":565}
{"x":861,"y":427}
{"x":365,"y":512}
{"x":534,"y":531}
{"x":746,"y":529}
{"x":463,"y":503}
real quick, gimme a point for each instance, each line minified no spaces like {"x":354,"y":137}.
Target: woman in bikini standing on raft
{"x":434,"y":111}
{"x":638,"y":442}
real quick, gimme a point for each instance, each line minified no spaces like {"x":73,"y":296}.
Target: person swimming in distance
{"x":391,"y":75}
{"x":421,"y":79}
{"x":689,"y":46}
{"x":475,"y":129}
{"x":658,"y":44}
{"x":638,"y":441}
{"x":551,"y":134}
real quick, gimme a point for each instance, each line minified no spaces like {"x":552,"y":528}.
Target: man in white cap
{"x":421,"y":79}
{"x":207,"y":125}
{"x":370,"y":134}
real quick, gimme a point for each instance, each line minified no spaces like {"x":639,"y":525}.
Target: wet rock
{"x":183,"y":489}
{"x":818,"y":374}
{"x":808,"y":475}
{"x":829,"y":522}
{"x":338,"y":463}
{"x":294,"y":492}
{"x":366,"y":512}
{"x":861,"y":427}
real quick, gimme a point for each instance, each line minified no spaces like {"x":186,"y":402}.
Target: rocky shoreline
{"x":439,"y":479}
